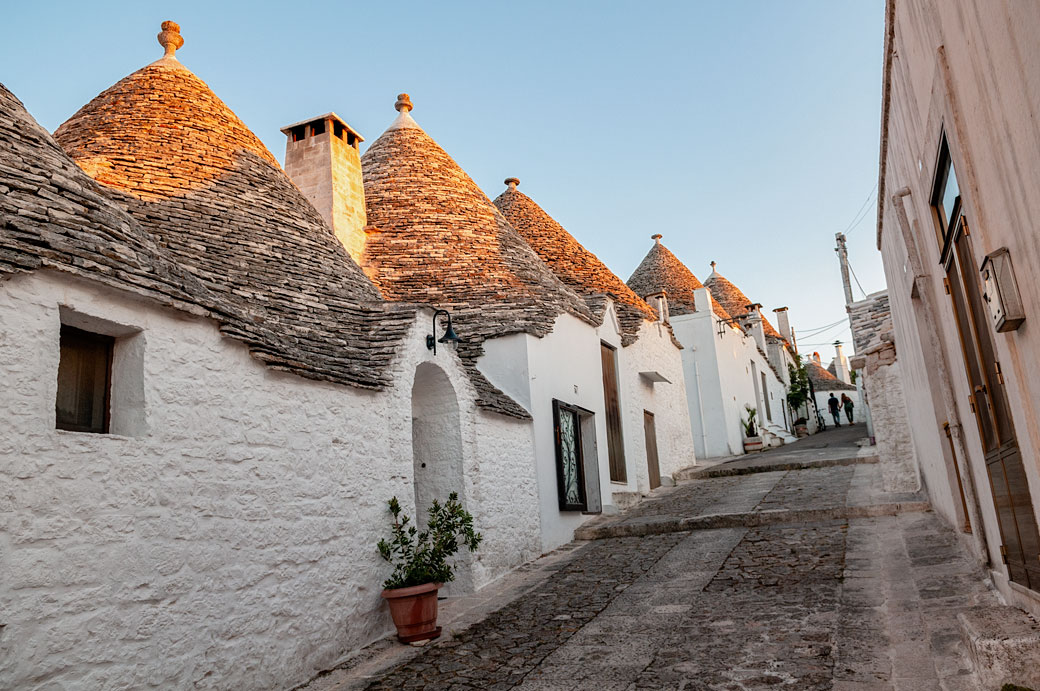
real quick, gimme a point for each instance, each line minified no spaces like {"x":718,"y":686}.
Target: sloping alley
{"x":789,"y":569}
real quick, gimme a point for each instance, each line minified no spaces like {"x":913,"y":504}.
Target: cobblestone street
{"x":859,"y":603}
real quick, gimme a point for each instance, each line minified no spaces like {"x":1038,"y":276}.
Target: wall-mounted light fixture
{"x":449,"y":337}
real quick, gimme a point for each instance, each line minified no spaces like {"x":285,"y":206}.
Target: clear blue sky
{"x":743,"y":131}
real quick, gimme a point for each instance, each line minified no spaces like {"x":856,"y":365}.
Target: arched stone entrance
{"x":437,"y":454}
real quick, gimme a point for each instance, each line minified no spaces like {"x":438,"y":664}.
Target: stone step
{"x":1004,"y":644}
{"x":759,"y":466}
{"x":657,"y":525}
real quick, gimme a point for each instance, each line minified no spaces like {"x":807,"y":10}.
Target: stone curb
{"x":719,"y":471}
{"x":754,"y":519}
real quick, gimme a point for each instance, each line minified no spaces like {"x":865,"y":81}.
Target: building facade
{"x":216,"y":378}
{"x":960,"y":161}
{"x":729,"y":357}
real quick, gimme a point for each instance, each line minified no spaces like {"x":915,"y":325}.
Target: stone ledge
{"x":657,"y":525}
{"x":1004,"y":644}
{"x":721,"y":471}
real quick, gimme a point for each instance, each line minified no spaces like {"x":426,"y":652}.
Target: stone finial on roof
{"x":512,"y":183}
{"x":656,"y":237}
{"x":404,"y":103}
{"x":170,"y":38}
{"x":713,"y":266}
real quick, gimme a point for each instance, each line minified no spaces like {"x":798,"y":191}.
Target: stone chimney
{"x":816,"y":358}
{"x":841,"y":365}
{"x":659,"y":301}
{"x":753,"y":324}
{"x":784,"y":324}
{"x":322,"y":158}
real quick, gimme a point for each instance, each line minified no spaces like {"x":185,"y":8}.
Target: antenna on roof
{"x":170,"y":38}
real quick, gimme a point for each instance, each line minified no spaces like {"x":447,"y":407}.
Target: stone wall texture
{"x":883,"y":384}
{"x":231,"y":542}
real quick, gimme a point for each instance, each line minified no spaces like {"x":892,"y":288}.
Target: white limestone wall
{"x":959,"y":65}
{"x":654,"y":351}
{"x":719,"y":381}
{"x":895,"y":447}
{"x":231,"y":542}
{"x":562,"y":365}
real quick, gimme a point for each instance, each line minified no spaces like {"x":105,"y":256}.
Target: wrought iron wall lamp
{"x":449,"y":337}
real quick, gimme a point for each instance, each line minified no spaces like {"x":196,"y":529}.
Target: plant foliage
{"x":798,"y":391}
{"x":750,"y":429}
{"x":421,"y":557}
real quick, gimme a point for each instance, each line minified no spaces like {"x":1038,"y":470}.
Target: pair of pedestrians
{"x":836,"y":407}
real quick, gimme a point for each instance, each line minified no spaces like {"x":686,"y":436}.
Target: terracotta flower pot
{"x":752,"y":444}
{"x":414,"y":611}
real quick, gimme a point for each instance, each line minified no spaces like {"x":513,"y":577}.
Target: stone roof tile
{"x":571,"y":262}
{"x":434,"y":237}
{"x":823,"y":380}
{"x":191,"y":173}
{"x":734,"y":300}
{"x":662,"y":270}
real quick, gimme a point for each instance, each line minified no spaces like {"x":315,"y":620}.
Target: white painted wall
{"x":719,"y":380}
{"x":565,"y":365}
{"x":231,"y":543}
{"x":958,"y":65}
{"x":654,"y":351}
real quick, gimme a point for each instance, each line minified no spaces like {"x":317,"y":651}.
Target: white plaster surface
{"x":231,"y":542}
{"x":720,"y":381}
{"x":961,"y":65}
{"x":565,"y":365}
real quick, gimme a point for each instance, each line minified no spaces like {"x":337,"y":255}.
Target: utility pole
{"x":843,"y":257}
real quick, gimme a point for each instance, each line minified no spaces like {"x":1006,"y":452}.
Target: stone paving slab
{"x":837,"y":598}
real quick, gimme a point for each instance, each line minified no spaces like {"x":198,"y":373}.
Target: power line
{"x":857,"y":280}
{"x":813,"y":332}
{"x":861,"y":214}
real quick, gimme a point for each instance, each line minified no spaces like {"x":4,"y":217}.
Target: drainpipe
{"x":935,"y":345}
{"x":700,"y":405}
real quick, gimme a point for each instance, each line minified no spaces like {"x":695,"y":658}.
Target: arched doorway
{"x":437,"y":454}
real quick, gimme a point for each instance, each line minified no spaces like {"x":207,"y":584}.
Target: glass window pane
{"x":949,"y":198}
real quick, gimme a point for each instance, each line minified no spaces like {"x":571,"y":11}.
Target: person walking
{"x":848,"y":405}
{"x":835,"y":407}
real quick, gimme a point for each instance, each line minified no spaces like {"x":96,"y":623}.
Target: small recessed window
{"x":84,"y":381}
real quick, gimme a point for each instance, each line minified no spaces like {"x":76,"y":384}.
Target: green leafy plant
{"x":750,"y":429}
{"x":421,"y":557}
{"x":798,"y":390}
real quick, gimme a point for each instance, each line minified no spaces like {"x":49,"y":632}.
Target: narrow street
{"x":788,"y":569}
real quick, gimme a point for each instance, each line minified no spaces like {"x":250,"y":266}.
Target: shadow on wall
{"x":437,"y":454}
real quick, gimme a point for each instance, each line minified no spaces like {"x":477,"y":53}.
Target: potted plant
{"x":752,"y":442}
{"x":421,"y":566}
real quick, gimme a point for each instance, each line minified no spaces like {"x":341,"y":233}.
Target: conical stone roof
{"x":662,"y":270}
{"x":823,"y":380}
{"x":436,"y":238}
{"x":52,"y":215}
{"x":734,"y":300}
{"x":572,"y":263}
{"x":193,"y":175}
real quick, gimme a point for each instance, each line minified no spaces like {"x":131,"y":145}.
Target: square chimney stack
{"x":323,"y":158}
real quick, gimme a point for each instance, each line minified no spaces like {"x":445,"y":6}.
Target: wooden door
{"x":653,"y":465}
{"x":1020,"y":542}
{"x":992,"y":411}
{"x":612,"y":406}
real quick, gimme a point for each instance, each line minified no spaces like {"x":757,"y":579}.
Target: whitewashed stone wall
{"x":884,"y":386}
{"x":230,"y":543}
{"x":654,"y":351}
{"x":565,"y":365}
{"x":719,"y":380}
